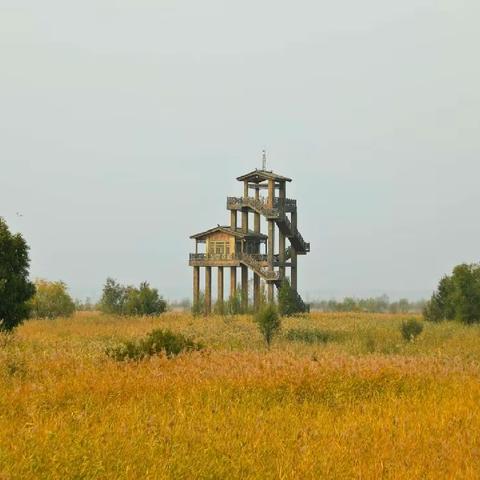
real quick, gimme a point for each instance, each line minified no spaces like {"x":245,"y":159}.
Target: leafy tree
{"x":269,"y":323}
{"x":51,"y":300}
{"x":457,"y":296}
{"x":144,"y":301}
{"x":15,"y":287}
{"x":289,"y":302}
{"x":113,"y":297}
{"x":121,"y":300}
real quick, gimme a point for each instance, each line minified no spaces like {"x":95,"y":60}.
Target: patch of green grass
{"x":312,"y":336}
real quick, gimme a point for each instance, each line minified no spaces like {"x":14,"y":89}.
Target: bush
{"x":51,"y":300}
{"x":457,"y":296}
{"x":198,"y":308}
{"x":313,"y":336}
{"x":120,"y":300}
{"x":411,"y":329}
{"x":289,"y":301}
{"x":156,"y":342}
{"x":268,"y":322}
{"x":15,"y":287}
{"x":233,"y":305}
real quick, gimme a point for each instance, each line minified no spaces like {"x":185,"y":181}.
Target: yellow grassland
{"x":366,"y":405}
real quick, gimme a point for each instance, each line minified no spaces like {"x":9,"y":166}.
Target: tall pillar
{"x":233,"y":219}
{"x":256,"y":216}
{"x":271,"y":192}
{"x":208,"y":290}
{"x":270,"y":253}
{"x":294,"y":259}
{"x":245,"y":210}
{"x":256,"y":291}
{"x":233,"y":281}
{"x":270,"y":293}
{"x":271,"y":243}
{"x":196,"y":286}
{"x":220,"y":286}
{"x":244,"y":288}
{"x":281,"y":256}
{"x":281,"y":236}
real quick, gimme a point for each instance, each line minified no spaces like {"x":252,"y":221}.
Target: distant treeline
{"x":372,"y":305}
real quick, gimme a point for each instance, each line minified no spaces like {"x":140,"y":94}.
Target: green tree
{"x":118,"y":299}
{"x":144,"y":301}
{"x":113,"y":297}
{"x":289,"y":302}
{"x":51,"y":300}
{"x":269,"y":323}
{"x":457,"y":296}
{"x":15,"y":287}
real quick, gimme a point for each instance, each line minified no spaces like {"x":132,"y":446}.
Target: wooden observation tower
{"x":247,"y":248}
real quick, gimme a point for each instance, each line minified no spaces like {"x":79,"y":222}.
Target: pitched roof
{"x":228,"y":230}
{"x":258,"y":176}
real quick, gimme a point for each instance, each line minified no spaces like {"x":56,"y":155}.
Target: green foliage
{"x":127,"y":300}
{"x":15,"y":287}
{"x":314,"y":336}
{"x":144,"y":301}
{"x":234,"y":304}
{"x":457,"y":296}
{"x":51,"y":300}
{"x":269,"y":323}
{"x":113,"y":297}
{"x":156,"y":342}
{"x":198,"y":308}
{"x":289,"y":301}
{"x":411,"y":329}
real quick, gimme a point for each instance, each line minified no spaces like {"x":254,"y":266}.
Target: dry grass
{"x":362,"y":404}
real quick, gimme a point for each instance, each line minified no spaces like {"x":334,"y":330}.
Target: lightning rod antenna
{"x":264,"y":160}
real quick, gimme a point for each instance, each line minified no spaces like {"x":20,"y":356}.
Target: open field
{"x":355,"y":402}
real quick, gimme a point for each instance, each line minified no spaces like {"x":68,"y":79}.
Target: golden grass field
{"x":364,"y":405}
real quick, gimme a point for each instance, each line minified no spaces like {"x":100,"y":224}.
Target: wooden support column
{"x":220,"y":287}
{"x":233,"y":281}
{"x":270,"y":293}
{"x":281,"y":236}
{"x":271,"y":243}
{"x":244,"y":288}
{"x":256,"y":216}
{"x":196,"y":286}
{"x":294,"y":259}
{"x":208,"y":290}
{"x":256,"y":291}
{"x":270,"y":253}
{"x":233,"y":219}
{"x":271,"y":193}
{"x":281,"y":256}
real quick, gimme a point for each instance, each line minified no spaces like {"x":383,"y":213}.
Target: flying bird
{"x":19,"y":214}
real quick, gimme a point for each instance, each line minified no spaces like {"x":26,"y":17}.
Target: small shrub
{"x":234,"y":304}
{"x":313,"y":336}
{"x":411,"y":329}
{"x":268,"y":322}
{"x":156,"y":342}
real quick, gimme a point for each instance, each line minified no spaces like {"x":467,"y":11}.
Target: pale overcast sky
{"x":123,"y":125}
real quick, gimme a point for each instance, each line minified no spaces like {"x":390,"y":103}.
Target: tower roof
{"x":258,"y":176}
{"x":229,"y":230}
